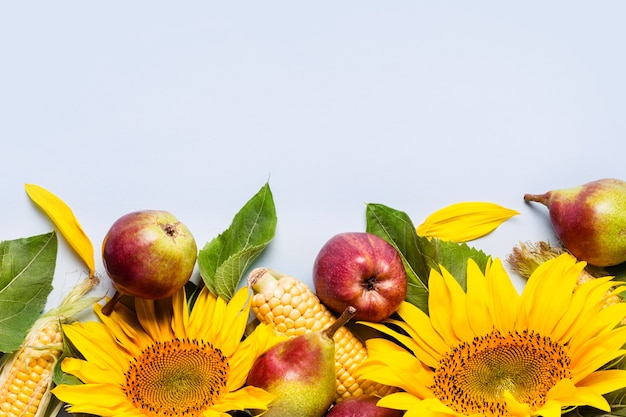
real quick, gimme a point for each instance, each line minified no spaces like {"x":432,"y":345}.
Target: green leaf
{"x":397,"y":228}
{"x":223,"y":261}
{"x":617,"y":400}
{"x":26,"y":273}
{"x":454,"y":256}
{"x":419,"y":254}
{"x":69,"y":351}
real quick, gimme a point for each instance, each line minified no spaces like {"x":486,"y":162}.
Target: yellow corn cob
{"x":28,"y":380}
{"x":26,"y":376}
{"x":293,"y":309}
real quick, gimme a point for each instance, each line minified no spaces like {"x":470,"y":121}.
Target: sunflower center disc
{"x":177,"y":377}
{"x":473,"y":377}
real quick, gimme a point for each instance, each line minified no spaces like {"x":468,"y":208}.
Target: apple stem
{"x":345,"y":317}
{"x":108,"y":307}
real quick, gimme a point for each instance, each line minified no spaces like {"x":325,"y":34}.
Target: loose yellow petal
{"x":462,"y":222}
{"x":64,"y":219}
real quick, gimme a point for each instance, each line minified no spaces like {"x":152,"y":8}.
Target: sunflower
{"x":489,"y":351}
{"x":166,"y":359}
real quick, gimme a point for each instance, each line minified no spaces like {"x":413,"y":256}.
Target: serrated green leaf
{"x":397,"y":228}
{"x":26,"y":273}
{"x":419,"y":254}
{"x":223,"y":261}
{"x":454,"y":256}
{"x":230,"y":271}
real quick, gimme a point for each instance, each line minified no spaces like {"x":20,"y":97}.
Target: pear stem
{"x":340,"y":322}
{"x":538,"y":198}
{"x":110,"y":305}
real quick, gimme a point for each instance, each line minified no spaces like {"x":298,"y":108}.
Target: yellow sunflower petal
{"x":422,"y":328}
{"x":248,"y":397}
{"x":502,"y":297}
{"x":96,"y":345}
{"x":155,"y":317}
{"x":549,"y":409}
{"x":180,"y":321}
{"x":477,"y":307}
{"x":515,"y":408}
{"x":603,"y":321}
{"x":64,"y":219}
{"x":583,"y":307}
{"x":400,"y":401}
{"x":432,"y":407}
{"x":566,"y":392}
{"x":389,"y":364}
{"x":421,"y":338}
{"x":260,"y":340}
{"x":462,"y":222}
{"x":421,"y":349}
{"x":597,"y":352}
{"x":451,"y":293}
{"x":90,"y":372}
{"x":207,"y":305}
{"x":548,"y":292}
{"x":97,"y":399}
{"x":125,"y":328}
{"x":440,"y":306}
{"x":605,"y":381}
{"x":235,"y":319}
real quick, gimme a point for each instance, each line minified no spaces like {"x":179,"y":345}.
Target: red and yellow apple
{"x":362,"y":270}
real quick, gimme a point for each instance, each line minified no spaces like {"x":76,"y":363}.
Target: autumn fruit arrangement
{"x":400,"y":320}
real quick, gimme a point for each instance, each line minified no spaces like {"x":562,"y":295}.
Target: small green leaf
{"x":418,"y":253}
{"x":26,"y":273}
{"x":223,"y":261}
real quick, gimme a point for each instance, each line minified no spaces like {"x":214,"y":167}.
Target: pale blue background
{"x":191,"y":107}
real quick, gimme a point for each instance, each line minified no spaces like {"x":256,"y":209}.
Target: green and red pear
{"x":589,"y":220}
{"x":300,"y":372}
